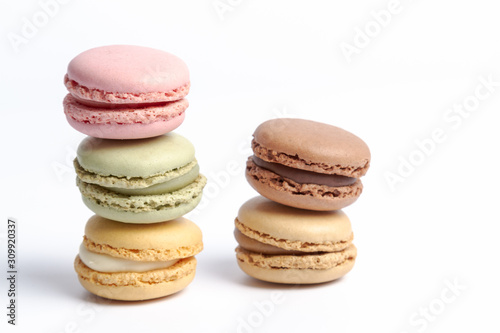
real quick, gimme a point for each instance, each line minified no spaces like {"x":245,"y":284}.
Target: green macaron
{"x":139,"y":181}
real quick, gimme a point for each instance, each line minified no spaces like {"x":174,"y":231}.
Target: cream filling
{"x":108,"y":264}
{"x":162,"y":188}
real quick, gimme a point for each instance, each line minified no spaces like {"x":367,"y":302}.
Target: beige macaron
{"x":133,"y":262}
{"x":282,"y":244}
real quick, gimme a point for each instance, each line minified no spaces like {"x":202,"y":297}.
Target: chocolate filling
{"x":304,"y":176}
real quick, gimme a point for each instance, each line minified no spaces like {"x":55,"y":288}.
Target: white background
{"x":437,"y":226}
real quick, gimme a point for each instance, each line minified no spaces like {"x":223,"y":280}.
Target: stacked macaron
{"x":296,"y":232}
{"x":137,"y":176}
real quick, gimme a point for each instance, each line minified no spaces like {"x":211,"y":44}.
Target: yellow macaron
{"x":124,"y":261}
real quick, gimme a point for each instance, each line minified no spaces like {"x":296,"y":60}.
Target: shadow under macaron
{"x":226,"y":269}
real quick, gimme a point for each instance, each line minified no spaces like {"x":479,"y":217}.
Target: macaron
{"x":307,"y":164}
{"x":282,"y":244}
{"x":126,"y":92}
{"x":133,"y":262}
{"x":139,"y":181}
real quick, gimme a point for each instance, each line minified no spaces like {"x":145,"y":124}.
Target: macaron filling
{"x":255,"y":246}
{"x":304,"y":176}
{"x":111,"y":181}
{"x":122,"y":114}
{"x":108,"y":264}
{"x":161,"y":188}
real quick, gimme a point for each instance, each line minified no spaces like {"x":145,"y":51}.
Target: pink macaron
{"x":126,"y":92}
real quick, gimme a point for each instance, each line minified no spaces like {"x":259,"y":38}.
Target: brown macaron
{"x":307,"y":164}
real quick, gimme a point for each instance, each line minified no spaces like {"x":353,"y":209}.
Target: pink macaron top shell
{"x":127,"y":74}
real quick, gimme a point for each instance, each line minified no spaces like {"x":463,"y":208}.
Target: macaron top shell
{"x":313,"y":146}
{"x":283,"y":222}
{"x":128,"y":69}
{"x":174,"y":234}
{"x":135,"y":158}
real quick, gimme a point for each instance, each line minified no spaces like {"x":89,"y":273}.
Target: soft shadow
{"x":53,"y":277}
{"x":220,"y":268}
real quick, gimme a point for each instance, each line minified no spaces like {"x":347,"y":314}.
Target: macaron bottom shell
{"x":134,"y":286}
{"x":278,"y":272}
{"x":127,"y":131}
{"x":153,"y":216}
{"x":142,"y":208}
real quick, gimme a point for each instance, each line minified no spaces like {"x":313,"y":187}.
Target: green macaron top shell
{"x":135,"y":158}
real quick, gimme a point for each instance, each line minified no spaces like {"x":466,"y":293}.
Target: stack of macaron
{"x":137,"y":176}
{"x":296,"y":232}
